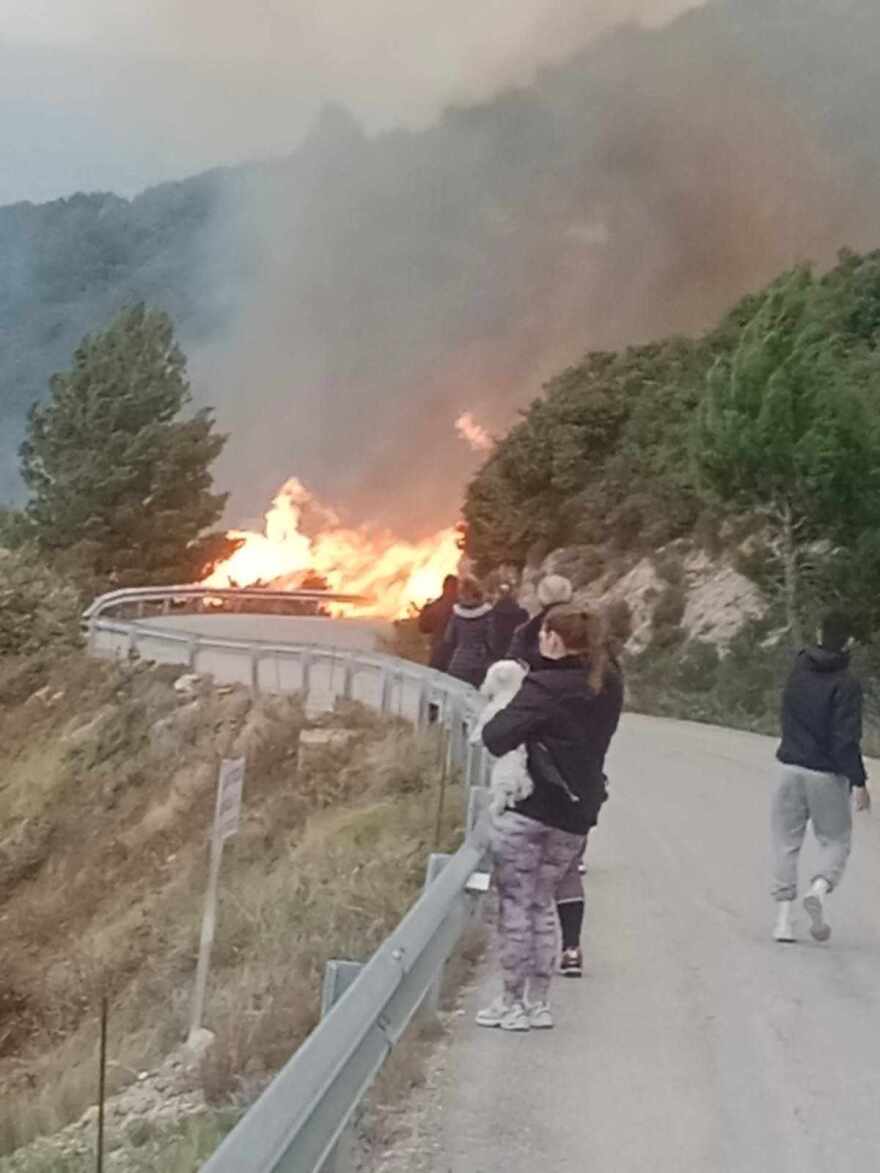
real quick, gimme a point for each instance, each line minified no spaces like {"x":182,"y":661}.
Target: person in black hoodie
{"x":557,"y":716}
{"x":466,"y":649}
{"x":821,"y":763}
{"x":507,"y":615}
{"x":435,"y":616}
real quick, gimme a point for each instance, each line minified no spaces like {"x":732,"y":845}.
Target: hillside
{"x":634,"y":191}
{"x":107,"y":789}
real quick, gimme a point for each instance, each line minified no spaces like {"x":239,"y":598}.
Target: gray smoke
{"x":393,"y":280}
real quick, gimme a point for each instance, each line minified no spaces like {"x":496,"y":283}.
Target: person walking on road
{"x":507,"y":615}
{"x":435,"y":616}
{"x":820,"y":766}
{"x":553,"y":591}
{"x":534,"y":844}
{"x":466,"y":649}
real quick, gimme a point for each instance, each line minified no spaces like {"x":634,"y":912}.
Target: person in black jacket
{"x":435,"y":616}
{"x":821,"y":763}
{"x":507,"y":615}
{"x":553,"y":591}
{"x":466,"y":651}
{"x":558,"y":717}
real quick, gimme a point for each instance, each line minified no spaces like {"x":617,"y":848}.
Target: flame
{"x":473,"y":433}
{"x":396,"y":575}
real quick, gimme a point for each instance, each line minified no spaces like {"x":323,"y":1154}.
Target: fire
{"x":473,"y":433}
{"x":395,"y":575}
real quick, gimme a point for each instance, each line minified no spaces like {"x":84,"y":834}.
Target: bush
{"x":37,"y":609}
{"x":670,"y":569}
{"x":696,"y":668}
{"x":669,"y":610}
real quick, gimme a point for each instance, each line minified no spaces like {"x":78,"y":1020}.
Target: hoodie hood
{"x":477,"y":612}
{"x":821,"y":660}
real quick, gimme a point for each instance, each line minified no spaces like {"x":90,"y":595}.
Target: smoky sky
{"x":98,"y":95}
{"x":392,"y":280}
{"x":493,"y":190}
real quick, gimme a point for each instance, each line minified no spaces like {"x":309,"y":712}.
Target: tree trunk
{"x":790,"y":572}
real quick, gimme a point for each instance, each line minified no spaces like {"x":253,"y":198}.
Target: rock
{"x":313,"y":743}
{"x":188,"y":684}
{"x":197,"y":1046}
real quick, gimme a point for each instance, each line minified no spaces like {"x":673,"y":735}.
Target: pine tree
{"x":786,"y":430}
{"x":120,"y":484}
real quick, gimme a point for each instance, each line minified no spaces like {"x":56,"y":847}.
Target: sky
{"x":119,"y":95}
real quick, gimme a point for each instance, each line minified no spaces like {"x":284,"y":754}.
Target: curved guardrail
{"x":297,"y":1123}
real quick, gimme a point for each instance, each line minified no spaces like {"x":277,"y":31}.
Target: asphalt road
{"x":694,"y":1044}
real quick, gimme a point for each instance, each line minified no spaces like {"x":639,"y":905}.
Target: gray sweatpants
{"x":804,"y":796}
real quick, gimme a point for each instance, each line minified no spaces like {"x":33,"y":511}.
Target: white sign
{"x":228,"y":816}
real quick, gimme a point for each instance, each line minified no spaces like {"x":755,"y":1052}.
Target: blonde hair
{"x":554,"y":589}
{"x":584,"y":634}
{"x":470,"y":593}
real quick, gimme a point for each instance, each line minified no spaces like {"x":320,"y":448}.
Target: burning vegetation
{"x":302,"y":541}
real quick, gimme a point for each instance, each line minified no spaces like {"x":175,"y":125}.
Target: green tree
{"x":785,"y":429}
{"x":120,"y":485}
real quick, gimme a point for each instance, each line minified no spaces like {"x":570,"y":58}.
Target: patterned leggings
{"x":530,"y":860}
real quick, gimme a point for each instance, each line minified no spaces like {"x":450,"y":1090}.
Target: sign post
{"x":227,"y":819}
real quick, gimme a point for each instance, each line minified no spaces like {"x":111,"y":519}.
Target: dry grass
{"x":103,"y":860}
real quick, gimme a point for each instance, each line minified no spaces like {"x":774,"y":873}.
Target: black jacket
{"x":466,"y":647}
{"x":822,"y":716}
{"x":507,"y":615}
{"x":432,"y":622}
{"x":557,"y":707}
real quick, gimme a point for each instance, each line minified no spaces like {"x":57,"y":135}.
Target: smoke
{"x":396,"y":281}
{"x":473,"y":433}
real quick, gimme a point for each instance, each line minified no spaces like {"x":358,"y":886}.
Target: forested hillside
{"x":68,"y":266}
{"x":632,"y":192}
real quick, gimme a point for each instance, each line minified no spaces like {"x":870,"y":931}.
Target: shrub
{"x":37,"y":609}
{"x":666,"y":620}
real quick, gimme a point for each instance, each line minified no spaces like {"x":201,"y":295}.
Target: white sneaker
{"x":784,"y":931}
{"x":540,"y":1017}
{"x":814,"y":906}
{"x":503,"y":1014}
{"x":494,"y":1014}
{"x":516,"y":1018}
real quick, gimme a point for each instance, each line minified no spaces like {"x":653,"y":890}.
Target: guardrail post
{"x":436,"y":863}
{"x":255,"y":670}
{"x":485,"y":768}
{"x":348,"y":679}
{"x":384,"y":691}
{"x":478,"y":801}
{"x":338,"y":976}
{"x":422,"y":716}
{"x":192,"y":652}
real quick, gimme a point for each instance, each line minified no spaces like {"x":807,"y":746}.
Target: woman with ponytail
{"x":565,"y":715}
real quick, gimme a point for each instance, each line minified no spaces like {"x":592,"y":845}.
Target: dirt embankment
{"x":107,"y":789}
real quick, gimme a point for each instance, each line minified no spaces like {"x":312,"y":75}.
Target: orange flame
{"x":473,"y":433}
{"x":396,"y":575}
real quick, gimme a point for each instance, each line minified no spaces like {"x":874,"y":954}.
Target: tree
{"x":120,"y":485}
{"x":785,"y":429}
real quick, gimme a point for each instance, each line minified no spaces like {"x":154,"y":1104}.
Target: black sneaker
{"x":572,"y":964}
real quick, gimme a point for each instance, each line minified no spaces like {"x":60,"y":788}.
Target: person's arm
{"x":846,"y":737}
{"x":524,"y":717}
{"x":427,"y":619}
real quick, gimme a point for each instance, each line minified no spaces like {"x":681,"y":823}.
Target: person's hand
{"x":862,"y":798}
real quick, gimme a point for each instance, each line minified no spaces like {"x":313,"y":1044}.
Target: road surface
{"x":694,"y":1044}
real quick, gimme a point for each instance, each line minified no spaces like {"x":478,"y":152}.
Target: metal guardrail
{"x":299,"y":1119}
{"x":176,"y":594}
